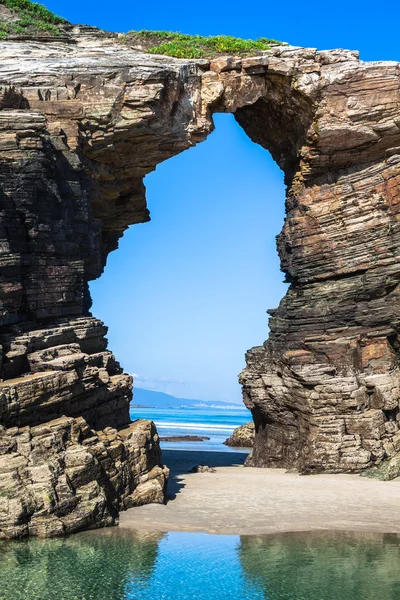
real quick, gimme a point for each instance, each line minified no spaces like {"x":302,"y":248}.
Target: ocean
{"x":217,"y":424}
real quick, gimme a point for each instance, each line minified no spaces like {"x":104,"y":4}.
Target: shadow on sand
{"x":180,"y":462}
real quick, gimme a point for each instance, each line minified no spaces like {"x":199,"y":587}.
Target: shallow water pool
{"x":117,"y":564}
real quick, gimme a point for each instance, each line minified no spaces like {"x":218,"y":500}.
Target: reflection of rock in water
{"x":323,"y":565}
{"x":90,"y":566}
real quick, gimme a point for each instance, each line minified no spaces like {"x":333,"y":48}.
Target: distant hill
{"x":151,"y":399}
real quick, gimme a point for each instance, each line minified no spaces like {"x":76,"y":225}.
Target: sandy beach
{"x":245,"y":501}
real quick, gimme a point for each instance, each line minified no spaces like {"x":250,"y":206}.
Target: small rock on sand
{"x":202,"y":469}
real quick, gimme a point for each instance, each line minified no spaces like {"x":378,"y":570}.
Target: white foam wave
{"x":202,"y":426}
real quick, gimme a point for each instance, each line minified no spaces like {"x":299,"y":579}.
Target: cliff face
{"x":82,"y":120}
{"x":324,"y":388}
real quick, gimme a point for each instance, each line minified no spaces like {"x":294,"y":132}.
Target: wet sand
{"x":246,"y":501}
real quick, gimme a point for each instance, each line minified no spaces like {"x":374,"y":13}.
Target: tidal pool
{"x":117,"y":564}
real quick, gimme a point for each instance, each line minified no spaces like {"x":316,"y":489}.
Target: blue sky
{"x":185,"y":295}
{"x":371,"y":27}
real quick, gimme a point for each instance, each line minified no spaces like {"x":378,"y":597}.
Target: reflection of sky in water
{"x":198,"y":566}
{"x":114,"y":564}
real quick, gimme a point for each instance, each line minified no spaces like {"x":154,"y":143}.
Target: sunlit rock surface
{"x":242,"y":436}
{"x":82,"y":120}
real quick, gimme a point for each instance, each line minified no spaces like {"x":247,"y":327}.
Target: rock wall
{"x":83,"y":119}
{"x":69,"y":457}
{"x":324,"y":388}
{"x":62,"y":476}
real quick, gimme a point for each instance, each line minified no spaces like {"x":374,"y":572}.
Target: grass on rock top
{"x":28,"y":18}
{"x":181,"y":45}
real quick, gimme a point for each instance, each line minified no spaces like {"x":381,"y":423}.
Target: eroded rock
{"x":387,"y":470}
{"x":202,"y":469}
{"x":243,"y":436}
{"x":83,"y":119}
{"x":63,"y":476}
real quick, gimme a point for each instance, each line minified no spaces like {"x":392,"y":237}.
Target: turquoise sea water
{"x":116,"y":564}
{"x":213,"y":423}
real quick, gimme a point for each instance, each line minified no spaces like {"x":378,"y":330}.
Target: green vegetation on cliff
{"x":27,"y":18}
{"x":181,"y":45}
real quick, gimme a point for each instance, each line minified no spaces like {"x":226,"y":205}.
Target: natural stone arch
{"x":82,"y":124}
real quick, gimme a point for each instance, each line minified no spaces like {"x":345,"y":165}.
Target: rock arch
{"x":82,"y":121}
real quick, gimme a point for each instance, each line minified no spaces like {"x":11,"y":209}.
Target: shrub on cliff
{"x":27,"y":18}
{"x":181,"y":45}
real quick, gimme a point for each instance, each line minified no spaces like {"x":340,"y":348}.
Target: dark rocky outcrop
{"x":184,"y":438}
{"x":242,"y":437}
{"x":82,"y":120}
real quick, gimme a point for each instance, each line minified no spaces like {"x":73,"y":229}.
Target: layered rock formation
{"x":83,"y":118}
{"x":324,"y":389}
{"x":62,"y":476}
{"x":242,"y":437}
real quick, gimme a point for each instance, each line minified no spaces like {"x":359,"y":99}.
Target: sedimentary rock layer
{"x":242,"y":436}
{"x":83,"y":119}
{"x":63,"y":476}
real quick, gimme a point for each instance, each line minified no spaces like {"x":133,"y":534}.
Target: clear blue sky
{"x":185,"y":295}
